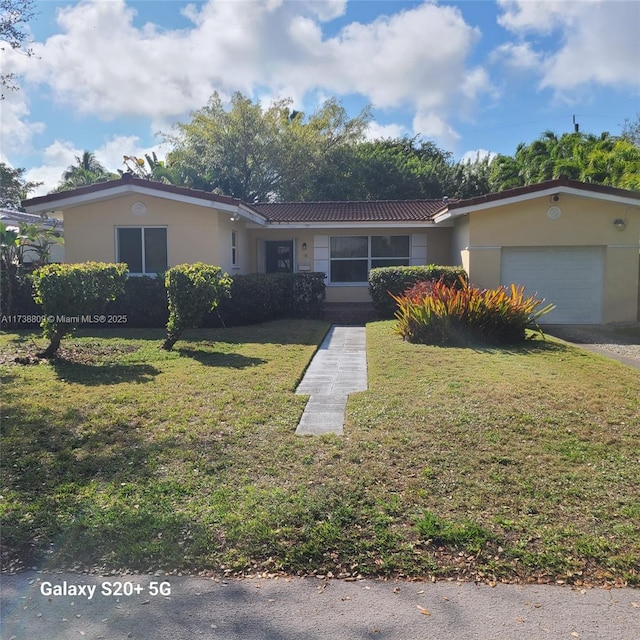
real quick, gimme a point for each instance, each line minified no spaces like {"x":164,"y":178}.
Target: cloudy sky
{"x":109,"y":75}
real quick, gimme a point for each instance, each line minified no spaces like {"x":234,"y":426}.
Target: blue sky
{"x":474,"y":76}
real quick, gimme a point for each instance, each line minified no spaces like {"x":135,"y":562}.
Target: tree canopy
{"x":13,"y":187}
{"x":603,"y":159}
{"x":631,"y":130}
{"x":261,"y":154}
{"x":14,"y":17}
{"x":86,"y":170}
{"x":276,"y":153}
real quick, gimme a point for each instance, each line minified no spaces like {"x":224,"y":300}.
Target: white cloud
{"x":16,"y":131}
{"x":429,"y":125}
{"x":61,"y":154}
{"x":55,"y":159}
{"x":477,"y":154}
{"x":327,"y":9}
{"x":586,"y":41}
{"x":537,"y":16}
{"x":518,"y":56}
{"x":111,"y":153}
{"x":103,"y":65}
{"x":376,"y":131}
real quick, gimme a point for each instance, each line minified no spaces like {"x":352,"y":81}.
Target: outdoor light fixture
{"x":235,"y":217}
{"x":304,"y":246}
{"x":620,"y":224}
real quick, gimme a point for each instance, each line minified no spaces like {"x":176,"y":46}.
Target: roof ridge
{"x":303,"y":202}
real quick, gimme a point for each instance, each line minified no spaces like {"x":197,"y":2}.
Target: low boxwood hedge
{"x":254,"y":298}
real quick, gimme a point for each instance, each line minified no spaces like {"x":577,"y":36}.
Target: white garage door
{"x":569,"y":277}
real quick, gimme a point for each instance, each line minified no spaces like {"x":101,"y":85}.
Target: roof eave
{"x":450,"y":214}
{"x":48,"y":205}
{"x":355,"y":224}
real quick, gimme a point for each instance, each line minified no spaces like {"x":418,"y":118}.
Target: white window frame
{"x":368,"y":258}
{"x":234,"y":248}
{"x":142,"y":228}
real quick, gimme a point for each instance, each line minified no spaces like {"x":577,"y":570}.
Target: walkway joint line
{"x":338,"y":369}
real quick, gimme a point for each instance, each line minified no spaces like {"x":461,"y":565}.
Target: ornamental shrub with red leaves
{"x":441,"y":314}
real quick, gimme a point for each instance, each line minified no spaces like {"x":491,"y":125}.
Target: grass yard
{"x":490,"y":464}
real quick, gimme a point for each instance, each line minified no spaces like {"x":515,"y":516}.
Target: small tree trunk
{"x":171,"y":339}
{"x":11,"y":280}
{"x":54,"y":344}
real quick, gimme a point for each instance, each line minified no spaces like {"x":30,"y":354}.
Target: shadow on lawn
{"x":62,"y":462}
{"x":90,"y":374}
{"x":216,"y":359}
{"x":528,"y":347}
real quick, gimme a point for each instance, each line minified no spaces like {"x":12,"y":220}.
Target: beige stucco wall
{"x":429,"y":245}
{"x":583,"y":222}
{"x":194,"y":233}
{"x":302,"y":257}
{"x":439,"y":247}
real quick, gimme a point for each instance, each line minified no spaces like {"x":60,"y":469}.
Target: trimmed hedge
{"x":194,"y":290}
{"x":67,"y":292}
{"x":260,"y":297}
{"x":23,"y":303}
{"x":385,"y":282}
{"x":144,"y":303}
{"x":254,"y":298}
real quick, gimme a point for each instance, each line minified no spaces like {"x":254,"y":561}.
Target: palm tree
{"x":86,"y":170}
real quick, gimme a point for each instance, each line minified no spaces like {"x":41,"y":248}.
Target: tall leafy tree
{"x":320,"y":153}
{"x":14,"y":17}
{"x":13,"y":187}
{"x":397,"y":168}
{"x":401,"y":168}
{"x":86,"y":170}
{"x":260,"y":154}
{"x":471,"y":178}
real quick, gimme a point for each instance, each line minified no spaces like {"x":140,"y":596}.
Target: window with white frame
{"x":351,"y":257}
{"x":144,"y":249}
{"x":234,"y":249}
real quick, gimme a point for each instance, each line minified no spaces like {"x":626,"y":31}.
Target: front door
{"x":279,"y":256}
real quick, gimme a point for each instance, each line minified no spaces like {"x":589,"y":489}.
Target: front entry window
{"x":351,"y":257}
{"x":279,"y":256}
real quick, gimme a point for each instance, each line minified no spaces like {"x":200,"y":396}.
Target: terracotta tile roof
{"x":356,"y":211}
{"x":127,"y":179}
{"x":562,"y":181}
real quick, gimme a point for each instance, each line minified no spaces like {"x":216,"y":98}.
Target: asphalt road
{"x":55,"y":606}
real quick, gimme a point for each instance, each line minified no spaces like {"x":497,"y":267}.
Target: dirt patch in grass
{"x":25,"y":352}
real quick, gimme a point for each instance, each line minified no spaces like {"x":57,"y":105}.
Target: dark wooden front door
{"x":279,"y":256}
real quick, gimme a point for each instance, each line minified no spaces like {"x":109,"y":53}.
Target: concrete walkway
{"x":338,"y":369}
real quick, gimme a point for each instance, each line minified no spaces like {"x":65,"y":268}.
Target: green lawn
{"x":519,"y":464}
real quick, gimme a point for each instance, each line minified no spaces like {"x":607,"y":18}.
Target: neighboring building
{"x":575,"y":244}
{"x":13,"y":219}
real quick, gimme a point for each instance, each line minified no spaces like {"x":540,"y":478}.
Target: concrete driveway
{"x":620,"y":342}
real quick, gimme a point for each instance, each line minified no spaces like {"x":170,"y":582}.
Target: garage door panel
{"x":569,"y":277}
